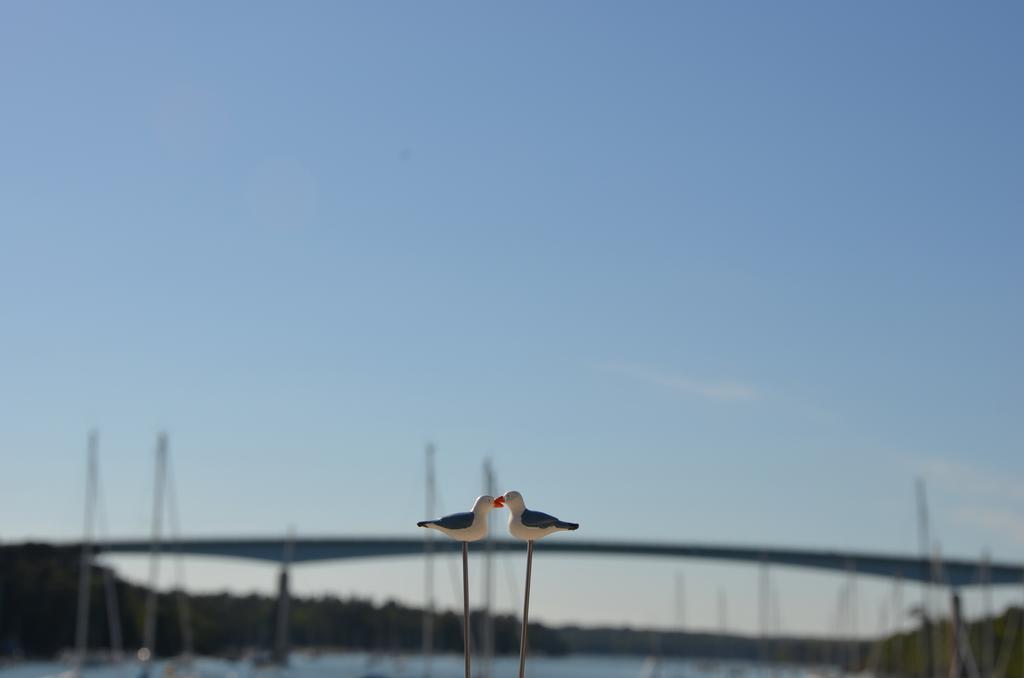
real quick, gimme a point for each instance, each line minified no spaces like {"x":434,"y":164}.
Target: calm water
{"x":358,"y":665}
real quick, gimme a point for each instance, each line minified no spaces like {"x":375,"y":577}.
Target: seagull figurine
{"x":470,"y":525}
{"x":466,"y":527}
{"x":530,"y":526}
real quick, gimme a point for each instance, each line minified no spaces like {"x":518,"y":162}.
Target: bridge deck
{"x":954,"y":572}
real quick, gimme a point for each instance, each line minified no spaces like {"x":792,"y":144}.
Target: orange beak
{"x":499,"y":502}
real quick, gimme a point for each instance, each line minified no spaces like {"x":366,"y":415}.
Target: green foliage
{"x":911,"y":652}
{"x":38,"y":596}
{"x":39,"y":588}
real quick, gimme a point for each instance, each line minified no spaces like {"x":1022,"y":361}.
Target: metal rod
{"x":937,"y":577}
{"x":680,"y":602}
{"x":428,"y":571}
{"x":113,"y":614}
{"x":928,"y":666}
{"x":988,"y":650}
{"x":465,"y":605}
{"x":526,"y":610}
{"x":85,"y":571}
{"x":109,"y":584}
{"x":149,"y":628}
{"x":762,"y":610}
{"x":487,"y":618}
{"x":851,"y":610}
{"x":1013,"y":622}
{"x":184,"y":613}
{"x":956,"y":661}
{"x":897,"y":622}
{"x":723,"y":624}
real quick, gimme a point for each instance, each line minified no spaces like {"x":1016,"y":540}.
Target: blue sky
{"x":731,"y":272}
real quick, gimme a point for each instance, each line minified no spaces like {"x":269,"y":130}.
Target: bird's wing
{"x":538,"y":519}
{"x":456,"y":521}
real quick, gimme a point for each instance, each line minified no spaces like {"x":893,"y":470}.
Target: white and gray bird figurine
{"x":468,"y":526}
{"x":531,"y":525}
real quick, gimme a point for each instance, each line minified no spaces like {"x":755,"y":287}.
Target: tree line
{"x":39,"y":587}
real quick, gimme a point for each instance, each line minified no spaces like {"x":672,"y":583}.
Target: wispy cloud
{"x":1001,"y":522}
{"x":712,"y":389}
{"x":984,"y":500}
{"x":970,"y":479}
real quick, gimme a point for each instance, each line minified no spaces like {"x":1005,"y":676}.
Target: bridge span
{"x":954,"y":572}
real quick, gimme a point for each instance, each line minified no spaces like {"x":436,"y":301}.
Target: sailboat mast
{"x":723,"y":624}
{"x":109,"y":581}
{"x":85,"y":568}
{"x":680,"y":602}
{"x":988,"y":649}
{"x":149,"y":628}
{"x":763,"y":587}
{"x":184,"y":614}
{"x":113,"y":614}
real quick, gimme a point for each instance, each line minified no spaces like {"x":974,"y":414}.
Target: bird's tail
{"x":562,"y":525}
{"x":426,"y":523}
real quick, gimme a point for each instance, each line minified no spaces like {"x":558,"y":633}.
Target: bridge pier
{"x":282,"y":644}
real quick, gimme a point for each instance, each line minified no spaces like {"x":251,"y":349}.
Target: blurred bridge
{"x":952,"y":572}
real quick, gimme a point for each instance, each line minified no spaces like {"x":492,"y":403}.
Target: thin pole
{"x":897,"y":620}
{"x":184,"y":616}
{"x":680,"y":602}
{"x":962,"y":663}
{"x":84,"y":578}
{"x":113,"y":614}
{"x":149,"y":628}
{"x":776,"y":623}
{"x":842,"y":628}
{"x":487,"y":625}
{"x":723,"y":611}
{"x":428,"y":570}
{"x":465,"y":605}
{"x":763,"y":586}
{"x":1013,"y":623}
{"x":526,"y":610}
{"x":878,"y":648}
{"x":928,"y":668}
{"x":723,"y":624}
{"x":956,"y":662}
{"x":854,"y":647}
{"x":988,"y":649}
{"x":110,"y":586}
{"x":937,"y":577}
